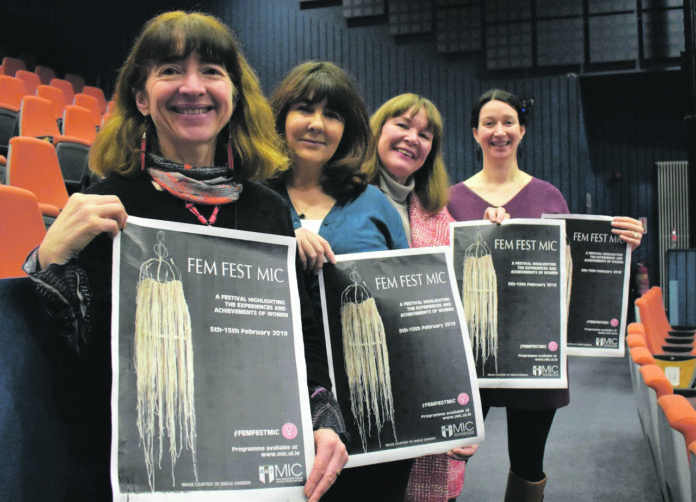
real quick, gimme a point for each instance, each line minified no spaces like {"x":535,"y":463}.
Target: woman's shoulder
{"x":263,"y":192}
{"x":541,"y":188}
{"x":372,"y":194}
{"x":547,"y":195}
{"x":541,"y":185}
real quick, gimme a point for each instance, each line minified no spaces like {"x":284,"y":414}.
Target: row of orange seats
{"x":661,"y":378}
{"x":45,"y":75}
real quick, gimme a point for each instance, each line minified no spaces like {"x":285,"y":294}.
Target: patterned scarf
{"x":201,"y":185}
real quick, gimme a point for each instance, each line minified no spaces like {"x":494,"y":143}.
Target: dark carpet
{"x":596,"y":450}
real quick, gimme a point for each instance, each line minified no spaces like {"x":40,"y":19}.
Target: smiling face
{"x":313,"y":132}
{"x":404,"y":144}
{"x":189,"y":101}
{"x":499,"y":131}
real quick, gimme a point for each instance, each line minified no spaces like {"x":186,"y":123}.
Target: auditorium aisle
{"x":596,"y":451}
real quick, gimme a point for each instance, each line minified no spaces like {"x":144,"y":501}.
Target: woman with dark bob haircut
{"x":321,"y":115}
{"x":190,"y":133}
{"x":312,"y":83}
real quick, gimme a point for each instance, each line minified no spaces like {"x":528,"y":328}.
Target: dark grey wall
{"x":594,"y":136}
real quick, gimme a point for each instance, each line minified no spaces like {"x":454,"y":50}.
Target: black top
{"x":81,"y":339}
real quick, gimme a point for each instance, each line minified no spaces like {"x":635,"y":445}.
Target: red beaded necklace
{"x":210,"y":221}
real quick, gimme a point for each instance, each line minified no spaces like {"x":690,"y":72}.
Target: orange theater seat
{"x":21,"y":229}
{"x":56,"y":97}
{"x":11,"y":65}
{"x":66,"y":87}
{"x":77,"y":81}
{"x":45,"y":73}
{"x":32,"y":164}
{"x":31,"y":80}
{"x":12,"y":90}
{"x":92,"y":104}
{"x":98,"y":93}
{"x":677,"y":429}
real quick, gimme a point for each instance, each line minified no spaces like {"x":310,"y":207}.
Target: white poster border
{"x":357,"y":459}
{"x":561,"y":382}
{"x":281,"y":493}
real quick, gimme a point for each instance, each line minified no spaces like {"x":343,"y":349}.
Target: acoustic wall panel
{"x":660,"y":4}
{"x":607,"y":6}
{"x":459,"y":29}
{"x":613,"y":38}
{"x":456,"y":3}
{"x":363,"y":8}
{"x":509,"y":45}
{"x":410,"y":16}
{"x":663,"y":34}
{"x":560,"y":42}
{"x":554,"y":8}
{"x":507,"y":10}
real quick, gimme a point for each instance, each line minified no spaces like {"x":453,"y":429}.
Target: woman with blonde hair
{"x":408,"y":167}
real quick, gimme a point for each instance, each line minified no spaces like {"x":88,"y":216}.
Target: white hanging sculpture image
{"x":366,"y":358}
{"x":163,"y":363}
{"x":480,"y":301}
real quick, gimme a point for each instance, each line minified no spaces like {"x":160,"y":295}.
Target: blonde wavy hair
{"x":431,"y":180}
{"x":258,"y":150}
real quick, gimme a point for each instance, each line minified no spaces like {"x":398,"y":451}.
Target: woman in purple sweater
{"x":501,"y":190}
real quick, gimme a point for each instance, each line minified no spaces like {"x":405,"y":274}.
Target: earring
{"x":143,"y":146}
{"x":230,"y":150}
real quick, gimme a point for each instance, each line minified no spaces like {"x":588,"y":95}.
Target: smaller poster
{"x":399,"y":354}
{"x":598,"y":303}
{"x":512,"y":285}
{"x":209,"y":394}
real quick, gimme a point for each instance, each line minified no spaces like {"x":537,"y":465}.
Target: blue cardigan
{"x":366,"y":223}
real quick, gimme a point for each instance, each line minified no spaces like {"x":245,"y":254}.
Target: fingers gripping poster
{"x":399,"y":354}
{"x":209,"y":395}
{"x":598,"y":296}
{"x":512,"y":285}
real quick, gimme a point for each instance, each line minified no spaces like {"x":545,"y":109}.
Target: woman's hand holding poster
{"x":399,"y":354}
{"x":512,"y":282}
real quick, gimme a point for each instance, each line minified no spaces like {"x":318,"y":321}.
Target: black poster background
{"x":427,"y":355}
{"x":243,"y":382}
{"x":531,"y":310}
{"x":599,"y":292}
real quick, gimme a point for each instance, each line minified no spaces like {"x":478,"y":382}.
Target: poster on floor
{"x":599,"y":286}
{"x":209,"y":395}
{"x":512,"y":285}
{"x":399,"y":354}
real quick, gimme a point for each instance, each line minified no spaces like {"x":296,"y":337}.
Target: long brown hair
{"x":257,"y":148}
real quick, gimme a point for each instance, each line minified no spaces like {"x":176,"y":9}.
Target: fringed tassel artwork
{"x":366,"y":358}
{"x":480,"y":301}
{"x":163,"y":363}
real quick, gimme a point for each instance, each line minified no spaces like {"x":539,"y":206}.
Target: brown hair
{"x":258,"y":150}
{"x":313,"y":82}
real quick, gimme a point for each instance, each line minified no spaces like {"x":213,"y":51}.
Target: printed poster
{"x":598,"y":305}
{"x":399,"y":354}
{"x":512,"y":284}
{"x":209,"y":397}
